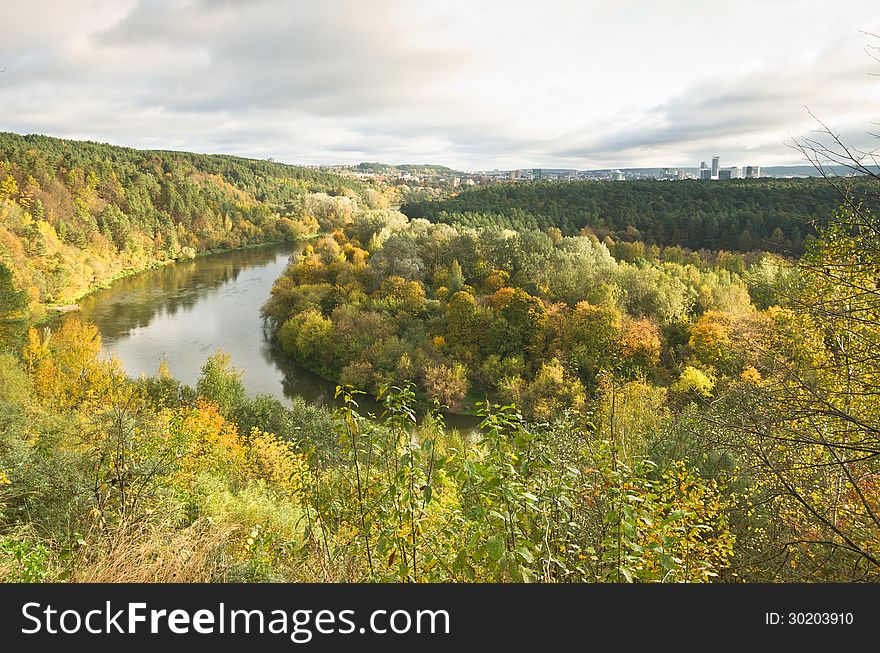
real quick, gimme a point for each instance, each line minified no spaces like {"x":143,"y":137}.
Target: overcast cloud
{"x":470,"y":84}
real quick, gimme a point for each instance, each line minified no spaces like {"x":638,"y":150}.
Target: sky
{"x":471,"y":84}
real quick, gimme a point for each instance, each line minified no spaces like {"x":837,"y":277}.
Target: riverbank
{"x":465,"y":421}
{"x":49,"y":312}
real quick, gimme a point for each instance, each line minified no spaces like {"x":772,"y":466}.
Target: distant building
{"x":753,"y":172}
{"x":730,"y":173}
{"x":537,"y":173}
{"x":617,"y":175}
{"x":715,"y":167}
{"x":705,"y":171}
{"x":513,"y":174}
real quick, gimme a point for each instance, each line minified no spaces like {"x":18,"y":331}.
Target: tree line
{"x":741,"y":215}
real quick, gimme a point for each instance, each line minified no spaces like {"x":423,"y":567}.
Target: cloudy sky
{"x":466,"y":83}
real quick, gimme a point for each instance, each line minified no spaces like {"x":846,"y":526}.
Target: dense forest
{"x":649,"y":412}
{"x":742,"y":215}
{"x":74,"y":215}
{"x":531,"y":318}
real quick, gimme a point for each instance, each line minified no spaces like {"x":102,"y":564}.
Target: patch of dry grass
{"x":150,"y":554}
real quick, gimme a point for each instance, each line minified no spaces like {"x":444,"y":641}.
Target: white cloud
{"x":469,"y":84}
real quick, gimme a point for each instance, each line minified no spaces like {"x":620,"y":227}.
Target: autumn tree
{"x":518,"y":319}
{"x":448,"y":385}
{"x":13,"y":301}
{"x":640,"y":345}
{"x":221,"y":383}
{"x":592,"y":338}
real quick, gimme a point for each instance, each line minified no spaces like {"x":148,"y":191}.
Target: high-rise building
{"x":753,"y":172}
{"x":537,"y":173}
{"x":715,"y":167}
{"x":705,"y":173}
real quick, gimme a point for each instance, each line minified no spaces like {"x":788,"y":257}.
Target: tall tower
{"x":714,"y":166}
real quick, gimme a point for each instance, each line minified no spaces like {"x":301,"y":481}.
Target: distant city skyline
{"x":467,"y":84}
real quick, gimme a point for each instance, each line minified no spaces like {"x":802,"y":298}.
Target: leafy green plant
{"x":30,"y":561}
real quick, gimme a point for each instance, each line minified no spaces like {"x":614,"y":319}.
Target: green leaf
{"x":528,"y":575}
{"x":496,"y":546}
{"x":525,"y":554}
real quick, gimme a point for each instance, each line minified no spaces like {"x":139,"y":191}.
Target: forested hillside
{"x":720,"y":440}
{"x":74,"y":215}
{"x":648,"y":413}
{"x":744,"y":215}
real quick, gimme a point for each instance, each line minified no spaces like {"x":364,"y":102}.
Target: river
{"x":187,"y":311}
